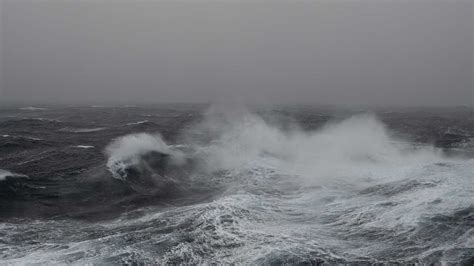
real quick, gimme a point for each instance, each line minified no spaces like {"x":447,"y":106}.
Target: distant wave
{"x":84,"y":147}
{"x":161,"y":115}
{"x":137,"y":123}
{"x":4,"y":174}
{"x":32,"y":119}
{"x":21,"y":137}
{"x":43,"y":119}
{"x":82,"y":130}
{"x":32,"y":108}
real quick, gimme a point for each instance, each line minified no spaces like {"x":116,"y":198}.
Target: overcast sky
{"x":326,"y":52}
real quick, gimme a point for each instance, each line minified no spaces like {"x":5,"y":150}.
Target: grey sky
{"x":339,"y":52}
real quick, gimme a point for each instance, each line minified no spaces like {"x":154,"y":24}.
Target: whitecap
{"x":126,"y":150}
{"x":4,"y":174}
{"x":84,"y":147}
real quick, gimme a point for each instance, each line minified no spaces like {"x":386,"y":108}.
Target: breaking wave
{"x":128,"y":151}
{"x":4,"y":175}
{"x":357,"y":151}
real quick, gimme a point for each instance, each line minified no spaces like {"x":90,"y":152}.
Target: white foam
{"x":84,"y":147}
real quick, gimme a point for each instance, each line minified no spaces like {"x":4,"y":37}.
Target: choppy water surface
{"x":199,"y":184}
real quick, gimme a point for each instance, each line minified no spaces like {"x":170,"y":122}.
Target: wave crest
{"x":131,"y":150}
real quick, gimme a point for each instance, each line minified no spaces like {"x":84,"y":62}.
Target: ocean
{"x":258,"y":185}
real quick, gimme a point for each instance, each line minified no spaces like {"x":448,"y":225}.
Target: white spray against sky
{"x":352,"y":147}
{"x":236,"y":139}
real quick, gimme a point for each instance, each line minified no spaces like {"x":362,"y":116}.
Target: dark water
{"x":200,"y":184}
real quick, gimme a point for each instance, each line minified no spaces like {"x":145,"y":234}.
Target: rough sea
{"x":197,"y":184}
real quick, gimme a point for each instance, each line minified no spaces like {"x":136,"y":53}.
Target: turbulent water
{"x":199,"y":184}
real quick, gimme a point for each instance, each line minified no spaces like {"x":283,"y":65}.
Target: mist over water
{"x":336,"y":149}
